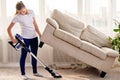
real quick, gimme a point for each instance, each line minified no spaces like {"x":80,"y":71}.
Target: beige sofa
{"x":84,"y":43}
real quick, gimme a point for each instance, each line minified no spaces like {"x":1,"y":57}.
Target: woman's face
{"x":23,"y":11}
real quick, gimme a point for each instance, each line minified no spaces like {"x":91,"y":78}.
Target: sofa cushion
{"x":92,"y":49}
{"x":110,"y":52}
{"x":52,"y":22}
{"x":68,"y":23}
{"x":68,"y":37}
{"x":95,"y":37}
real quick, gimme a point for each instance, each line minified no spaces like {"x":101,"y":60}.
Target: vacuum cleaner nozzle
{"x":54,"y":74}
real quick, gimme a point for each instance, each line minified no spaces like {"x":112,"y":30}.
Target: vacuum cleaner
{"x":20,"y":44}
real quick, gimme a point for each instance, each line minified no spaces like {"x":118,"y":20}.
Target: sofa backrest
{"x":95,"y":37}
{"x":68,"y":23}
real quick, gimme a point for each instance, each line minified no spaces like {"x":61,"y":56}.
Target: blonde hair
{"x":19,"y":6}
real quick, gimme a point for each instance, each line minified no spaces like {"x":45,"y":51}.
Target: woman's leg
{"x":34,"y":49}
{"x":23,"y":57}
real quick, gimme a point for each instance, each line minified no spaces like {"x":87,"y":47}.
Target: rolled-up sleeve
{"x":32,"y":13}
{"x":15,"y":19}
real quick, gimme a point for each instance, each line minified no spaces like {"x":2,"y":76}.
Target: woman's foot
{"x":25,"y":77}
{"x":37,"y":74}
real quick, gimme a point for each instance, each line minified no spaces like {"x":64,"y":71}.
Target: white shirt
{"x":26,"y":23}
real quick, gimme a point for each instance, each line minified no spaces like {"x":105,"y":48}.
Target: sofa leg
{"x":102,"y":74}
{"x":41,"y":44}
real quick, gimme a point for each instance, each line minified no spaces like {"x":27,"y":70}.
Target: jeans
{"x":32,"y":44}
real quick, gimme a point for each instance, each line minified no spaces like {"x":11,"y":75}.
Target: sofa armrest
{"x":48,"y":31}
{"x":52,"y":22}
{"x":110,"y":52}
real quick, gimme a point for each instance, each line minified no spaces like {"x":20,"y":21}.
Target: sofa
{"x":83,"y":42}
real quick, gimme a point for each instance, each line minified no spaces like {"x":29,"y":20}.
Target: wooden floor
{"x":68,"y":74}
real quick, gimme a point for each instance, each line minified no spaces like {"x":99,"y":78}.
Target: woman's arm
{"x":10,"y":33}
{"x":36,"y":27}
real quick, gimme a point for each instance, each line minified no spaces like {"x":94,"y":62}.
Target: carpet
{"x":87,"y":73}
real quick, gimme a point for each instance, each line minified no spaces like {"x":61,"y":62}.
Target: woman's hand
{"x":14,"y":40}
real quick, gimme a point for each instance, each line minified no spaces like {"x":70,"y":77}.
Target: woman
{"x":29,"y":27}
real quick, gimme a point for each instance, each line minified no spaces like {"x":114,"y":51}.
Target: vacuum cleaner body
{"x":20,"y":44}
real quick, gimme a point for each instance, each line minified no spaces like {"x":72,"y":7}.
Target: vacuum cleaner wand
{"x":20,"y":44}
